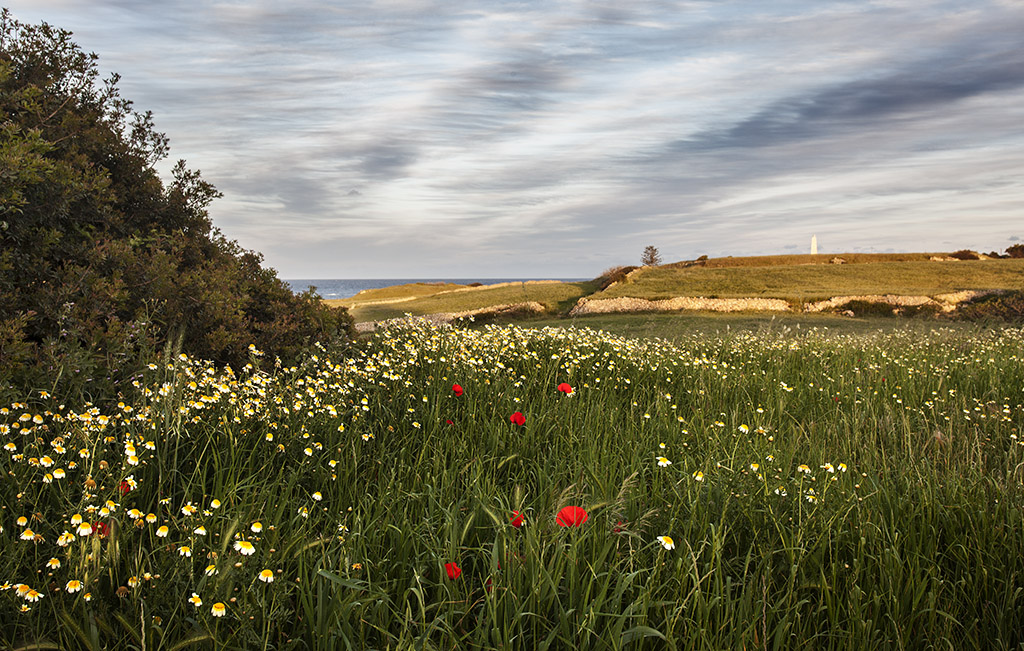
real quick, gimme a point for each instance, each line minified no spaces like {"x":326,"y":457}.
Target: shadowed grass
{"x":676,"y":326}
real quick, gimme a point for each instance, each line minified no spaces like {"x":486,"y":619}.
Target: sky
{"x":555,"y":139}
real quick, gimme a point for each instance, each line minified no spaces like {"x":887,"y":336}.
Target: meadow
{"x":531,"y":488}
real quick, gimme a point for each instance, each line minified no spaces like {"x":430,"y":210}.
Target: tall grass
{"x":823,"y":491}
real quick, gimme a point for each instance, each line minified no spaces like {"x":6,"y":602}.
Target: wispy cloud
{"x":434,"y":138}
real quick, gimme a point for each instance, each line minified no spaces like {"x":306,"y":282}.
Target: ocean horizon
{"x":348,"y":287}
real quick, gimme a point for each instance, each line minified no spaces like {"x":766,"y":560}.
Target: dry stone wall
{"x":625,"y":304}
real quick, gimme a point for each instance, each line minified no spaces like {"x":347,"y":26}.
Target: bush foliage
{"x":101,"y":261}
{"x":965,"y":254}
{"x":613,"y":275}
{"x":1004,"y":306}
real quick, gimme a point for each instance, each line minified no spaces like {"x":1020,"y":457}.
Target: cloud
{"x":929,"y":87}
{"x":544,"y":136}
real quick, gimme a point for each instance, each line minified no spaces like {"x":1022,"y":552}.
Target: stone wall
{"x":625,"y":304}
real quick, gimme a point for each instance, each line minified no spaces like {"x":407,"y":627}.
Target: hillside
{"x":795,"y":279}
{"x":809,"y":282}
{"x":393,"y":302}
{"x":803,"y":259}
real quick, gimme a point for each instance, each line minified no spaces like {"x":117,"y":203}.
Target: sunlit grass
{"x":816,"y":282}
{"x":820,"y":490}
{"x":554,"y":297}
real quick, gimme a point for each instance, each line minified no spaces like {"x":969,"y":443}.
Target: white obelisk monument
{"x":814,"y":245}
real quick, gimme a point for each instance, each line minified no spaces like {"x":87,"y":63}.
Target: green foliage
{"x":100,"y":262}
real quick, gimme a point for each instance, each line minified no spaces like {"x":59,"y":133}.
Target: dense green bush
{"x":100,"y":261}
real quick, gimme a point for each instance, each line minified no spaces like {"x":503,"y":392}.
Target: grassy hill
{"x":803,"y":258}
{"x":795,"y":278}
{"x":556,"y":297}
{"x":805,"y":282}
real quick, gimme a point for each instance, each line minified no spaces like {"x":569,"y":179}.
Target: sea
{"x":347,"y":287}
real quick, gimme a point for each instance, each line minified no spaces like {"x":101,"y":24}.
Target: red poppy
{"x":453,"y":570}
{"x":518,"y":418}
{"x":565,"y":388}
{"x":101,"y":529}
{"x":449,"y":421}
{"x":571,"y":516}
{"x":125,"y":487}
{"x":516,"y":519}
{"x":457,"y":390}
{"x":618,"y":527}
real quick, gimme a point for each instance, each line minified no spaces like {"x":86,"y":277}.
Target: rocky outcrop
{"x":625,"y":304}
{"x":945,"y":302}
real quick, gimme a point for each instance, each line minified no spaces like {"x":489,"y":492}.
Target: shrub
{"x":100,"y":261}
{"x":923,"y":310}
{"x":1005,"y":306}
{"x":879,"y":308}
{"x":965,"y":254}
{"x":1015,"y":251}
{"x":613,"y":275}
{"x":867,"y":308}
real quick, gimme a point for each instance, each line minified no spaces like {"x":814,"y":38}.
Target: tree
{"x":1015,"y":251}
{"x":100,"y":262}
{"x":651,"y":257}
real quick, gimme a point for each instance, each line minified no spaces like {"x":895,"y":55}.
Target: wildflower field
{"x":446,"y":487}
